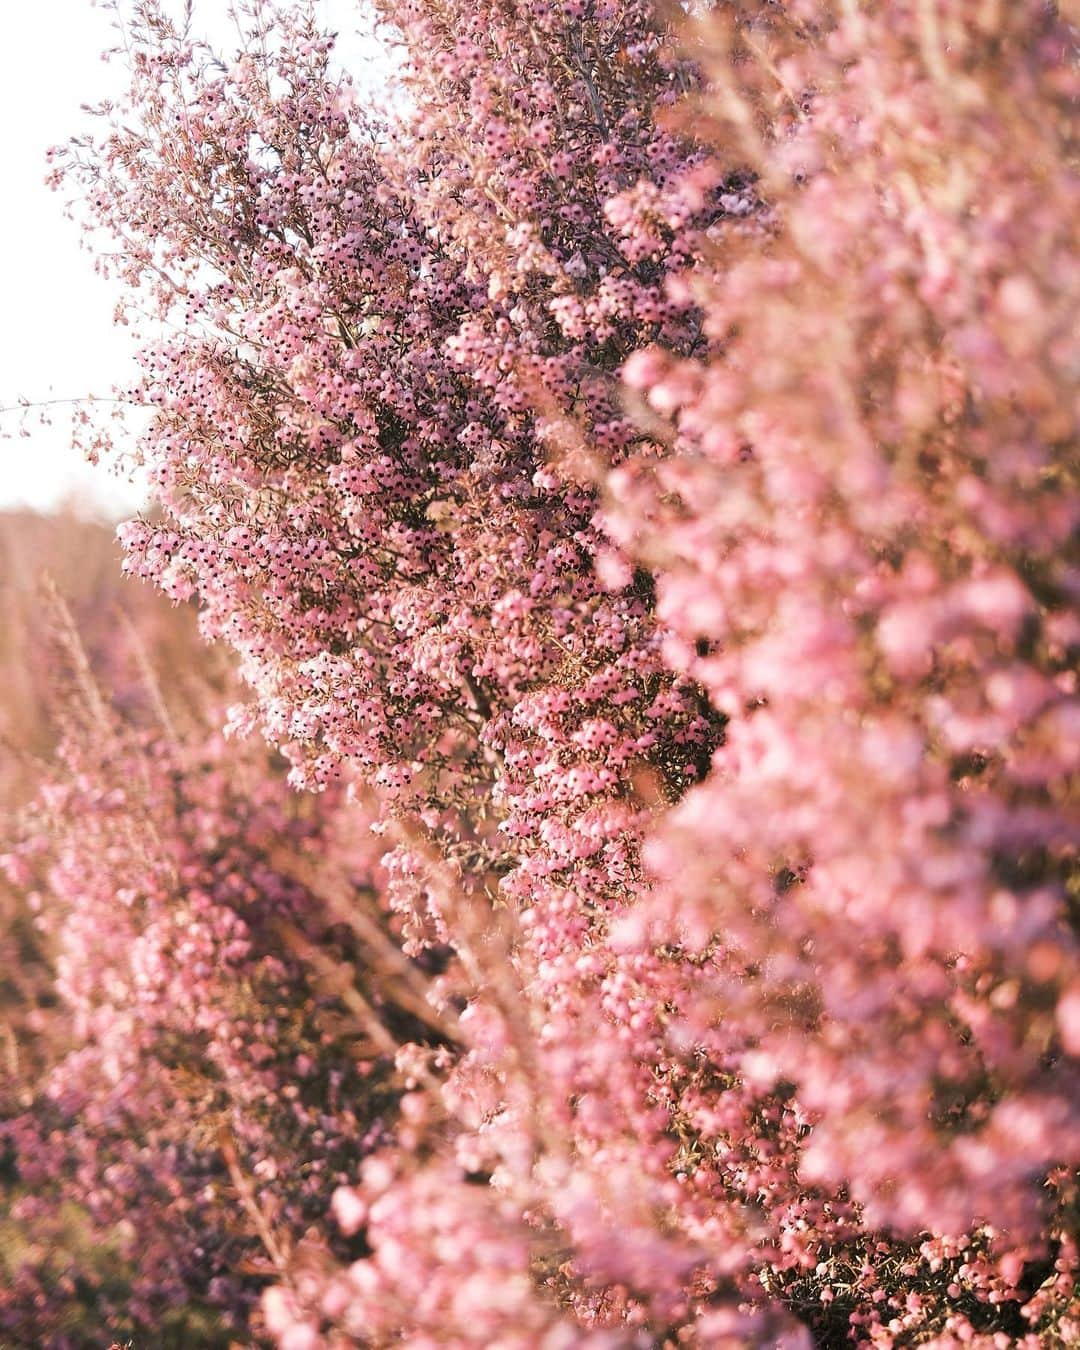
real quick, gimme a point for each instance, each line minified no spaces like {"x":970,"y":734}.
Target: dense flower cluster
{"x":203,"y":1091}
{"x":860,"y":537}
{"x":641,"y":472}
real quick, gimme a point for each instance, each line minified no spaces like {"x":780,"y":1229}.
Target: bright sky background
{"x":57,"y":339}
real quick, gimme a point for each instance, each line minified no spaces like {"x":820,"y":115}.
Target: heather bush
{"x":860,"y":527}
{"x":200,"y":1090}
{"x":67,"y":567}
{"x":637,"y":476}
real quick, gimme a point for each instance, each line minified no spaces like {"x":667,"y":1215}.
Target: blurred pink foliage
{"x":640,"y":477}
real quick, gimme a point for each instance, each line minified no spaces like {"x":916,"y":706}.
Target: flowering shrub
{"x":204,"y":1089}
{"x":860,"y":536}
{"x":640,"y":472}
{"x":126,"y":631}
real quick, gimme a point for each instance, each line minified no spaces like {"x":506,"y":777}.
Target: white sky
{"x":57,"y":338}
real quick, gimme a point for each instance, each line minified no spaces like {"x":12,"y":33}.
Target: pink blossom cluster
{"x":860,"y":533}
{"x":640,"y":471}
{"x":202,"y":1089}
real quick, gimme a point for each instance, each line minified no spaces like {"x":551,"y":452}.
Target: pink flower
{"x":349,"y":1210}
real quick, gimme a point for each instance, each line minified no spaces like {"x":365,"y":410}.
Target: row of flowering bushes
{"x":637,"y":479}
